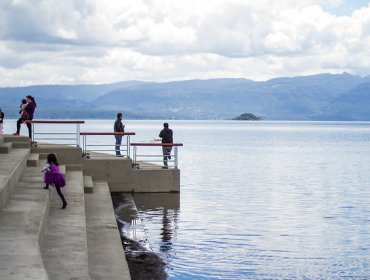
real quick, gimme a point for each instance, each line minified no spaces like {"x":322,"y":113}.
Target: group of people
{"x":166,"y":136}
{"x":52,"y":174}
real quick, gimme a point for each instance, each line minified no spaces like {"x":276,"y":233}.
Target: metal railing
{"x":152,"y":160}
{"x":92,"y":150}
{"x":67,"y":137}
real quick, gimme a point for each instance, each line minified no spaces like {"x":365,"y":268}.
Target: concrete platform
{"x":121,"y":176}
{"x":106,"y":256}
{"x":38,"y":240}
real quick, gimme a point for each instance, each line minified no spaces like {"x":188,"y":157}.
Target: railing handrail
{"x":157,"y":144}
{"x":56,"y":121}
{"x":107,"y":133}
{"x":117,"y":147}
{"x":77,"y":123}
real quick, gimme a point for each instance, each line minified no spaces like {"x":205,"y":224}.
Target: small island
{"x":247,"y":117}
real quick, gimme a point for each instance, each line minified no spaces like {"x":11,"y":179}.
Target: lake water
{"x":263,"y":200}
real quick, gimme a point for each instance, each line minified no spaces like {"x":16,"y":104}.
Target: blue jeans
{"x":118,"y":144}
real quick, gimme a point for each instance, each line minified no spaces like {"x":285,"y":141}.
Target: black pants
{"x":61,"y":195}
{"x":29,"y":126}
{"x":166,"y":154}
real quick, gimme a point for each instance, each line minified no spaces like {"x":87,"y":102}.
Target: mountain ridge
{"x":314,"y":97}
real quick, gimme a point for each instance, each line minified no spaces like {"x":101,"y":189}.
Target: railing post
{"x":176,"y":158}
{"x":135,"y":152}
{"x":128,"y":146}
{"x":33,"y":132}
{"x":78,"y":135}
{"x":84,"y":145}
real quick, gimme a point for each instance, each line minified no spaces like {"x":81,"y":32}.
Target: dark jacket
{"x":1,"y":117}
{"x":118,"y":126}
{"x":166,"y":135}
{"x":30,"y":109}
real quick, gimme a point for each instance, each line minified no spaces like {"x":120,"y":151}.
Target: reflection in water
{"x":160,"y":212}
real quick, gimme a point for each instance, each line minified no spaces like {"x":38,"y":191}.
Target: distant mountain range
{"x":317,"y":97}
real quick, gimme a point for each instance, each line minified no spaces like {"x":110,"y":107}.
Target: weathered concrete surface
{"x":146,"y":201}
{"x":64,"y":249}
{"x":22,"y":228}
{"x":106,"y":256}
{"x":66,"y":154}
{"x":88,"y":184}
{"x":157,"y":180}
{"x":121,"y":177}
{"x":12,"y":165}
{"x":110,"y":169}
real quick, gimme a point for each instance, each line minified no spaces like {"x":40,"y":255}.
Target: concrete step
{"x":64,"y":248}
{"x":5,"y":148}
{"x":65,"y":154}
{"x":22,"y":227}
{"x":106,"y":256}
{"x":74,"y":167}
{"x":44,"y":156}
{"x":14,"y":139}
{"x":88,"y":184}
{"x":21,"y":145}
{"x":33,"y":160}
{"x":12,"y":166}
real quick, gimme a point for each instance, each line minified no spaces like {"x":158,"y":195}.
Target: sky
{"x":105,"y":41}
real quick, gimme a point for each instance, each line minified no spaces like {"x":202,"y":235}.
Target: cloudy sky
{"x":103,"y":41}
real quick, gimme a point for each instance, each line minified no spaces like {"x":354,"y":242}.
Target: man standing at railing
{"x":118,"y":127}
{"x":167,"y":137}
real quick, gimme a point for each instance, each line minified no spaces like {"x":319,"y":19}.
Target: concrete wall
{"x":118,"y":172}
{"x":121,"y":177}
{"x":65,"y":154}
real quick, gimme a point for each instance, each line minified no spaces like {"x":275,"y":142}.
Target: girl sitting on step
{"x":53,"y":176}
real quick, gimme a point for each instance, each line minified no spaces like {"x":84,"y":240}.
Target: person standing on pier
{"x":30,"y":109}
{"x":118,"y":127}
{"x":1,"y":121}
{"x":167,"y":137}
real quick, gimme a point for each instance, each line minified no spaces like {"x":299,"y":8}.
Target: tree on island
{"x":247,"y":117}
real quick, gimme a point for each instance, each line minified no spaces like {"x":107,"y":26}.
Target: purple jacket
{"x":30,"y":109}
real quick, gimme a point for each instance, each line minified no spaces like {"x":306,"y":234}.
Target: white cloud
{"x":95,"y":41}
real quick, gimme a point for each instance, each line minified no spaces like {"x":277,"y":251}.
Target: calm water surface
{"x":265,"y":200}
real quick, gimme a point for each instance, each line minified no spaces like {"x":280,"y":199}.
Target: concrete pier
{"x":38,"y":240}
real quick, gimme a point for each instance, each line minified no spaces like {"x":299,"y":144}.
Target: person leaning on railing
{"x":167,"y":137}
{"x":118,"y":127}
